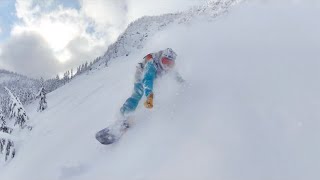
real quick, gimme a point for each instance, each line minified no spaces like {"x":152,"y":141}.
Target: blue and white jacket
{"x":148,"y":70}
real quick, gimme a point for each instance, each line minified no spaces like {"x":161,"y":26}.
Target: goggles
{"x":167,"y":62}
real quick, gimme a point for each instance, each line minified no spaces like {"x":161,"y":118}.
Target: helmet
{"x":169,"y":53}
{"x":168,"y":58}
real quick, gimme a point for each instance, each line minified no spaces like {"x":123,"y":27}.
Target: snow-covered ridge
{"x":21,"y":85}
{"x":139,"y":31}
{"x":7,"y":76}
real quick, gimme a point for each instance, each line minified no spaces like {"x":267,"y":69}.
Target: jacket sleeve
{"x":149,"y":76}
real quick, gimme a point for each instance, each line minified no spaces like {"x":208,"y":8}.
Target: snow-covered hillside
{"x":25,"y":88}
{"x":138,"y":32}
{"x":15,"y":80}
{"x":250,"y":109}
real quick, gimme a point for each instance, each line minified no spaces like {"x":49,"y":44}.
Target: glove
{"x":149,"y":102}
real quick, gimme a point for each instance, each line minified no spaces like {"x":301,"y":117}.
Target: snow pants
{"x":132,"y":102}
{"x":140,"y":87}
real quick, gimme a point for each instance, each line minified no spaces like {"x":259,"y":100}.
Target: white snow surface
{"x":250,"y":109}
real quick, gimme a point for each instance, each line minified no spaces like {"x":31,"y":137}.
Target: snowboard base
{"x":105,"y":137}
{"x":112,"y":133}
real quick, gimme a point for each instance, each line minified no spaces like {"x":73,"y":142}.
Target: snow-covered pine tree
{"x":43,"y":99}
{"x":86,"y":66}
{"x":82,"y":68}
{"x":3,"y":125}
{"x":79,"y":70}
{"x":17,"y":111}
{"x":57,"y":78}
{"x":66,"y":77}
{"x":71,"y":74}
{"x":7,"y":148}
{"x":41,"y":81}
{"x":1,"y":117}
{"x":2,"y":121}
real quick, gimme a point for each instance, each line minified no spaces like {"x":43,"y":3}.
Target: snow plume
{"x":255,"y":82}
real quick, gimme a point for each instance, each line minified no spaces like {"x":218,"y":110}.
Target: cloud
{"x":114,"y":15}
{"x":108,"y":16}
{"x":60,"y":27}
{"x":79,"y":51}
{"x":29,"y":54}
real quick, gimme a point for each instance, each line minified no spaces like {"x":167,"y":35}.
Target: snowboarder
{"x":153,"y":66}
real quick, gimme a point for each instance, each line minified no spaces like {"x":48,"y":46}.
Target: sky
{"x":42,"y":38}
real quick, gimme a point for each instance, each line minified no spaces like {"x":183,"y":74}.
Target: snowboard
{"x":112,"y":133}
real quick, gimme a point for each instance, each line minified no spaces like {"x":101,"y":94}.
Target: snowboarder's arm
{"x":149,"y":76}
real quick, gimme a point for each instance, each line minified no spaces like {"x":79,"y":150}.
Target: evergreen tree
{"x":41,"y":81}
{"x":2,"y":122}
{"x":1,"y":117}
{"x":3,"y":125}
{"x":7,"y":148}
{"x":57,"y":78}
{"x":6,"y":145}
{"x":17,"y":111}
{"x":82,"y":68}
{"x":43,"y":100}
{"x":86,"y":66}
{"x":106,"y":63}
{"x":79,"y":70}
{"x":66,"y":77}
{"x":71,"y":74}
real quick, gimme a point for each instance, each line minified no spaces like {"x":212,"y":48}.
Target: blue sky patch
{"x":8,"y":13}
{"x":7,"y":18}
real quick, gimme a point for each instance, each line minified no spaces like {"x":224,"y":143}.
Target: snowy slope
{"x":250,"y":110}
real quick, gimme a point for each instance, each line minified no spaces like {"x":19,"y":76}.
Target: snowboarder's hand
{"x":149,"y":102}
